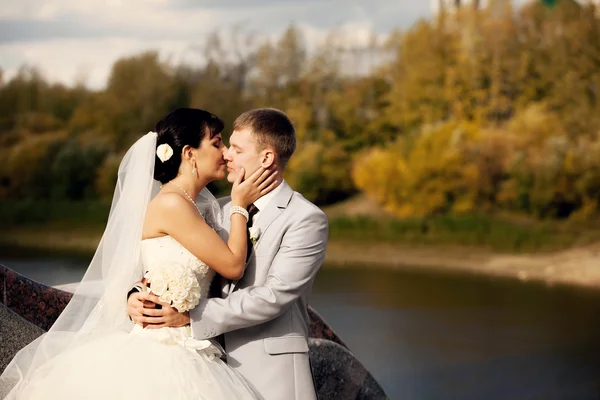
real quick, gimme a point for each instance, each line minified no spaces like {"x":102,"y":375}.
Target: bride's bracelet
{"x":239,"y":210}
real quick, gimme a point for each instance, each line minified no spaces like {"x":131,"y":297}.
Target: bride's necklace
{"x":187,"y":195}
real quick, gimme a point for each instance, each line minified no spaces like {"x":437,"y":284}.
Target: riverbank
{"x":578,"y":266}
{"x":574,"y":267}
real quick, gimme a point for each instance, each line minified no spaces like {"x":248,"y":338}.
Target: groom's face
{"x":242,"y":153}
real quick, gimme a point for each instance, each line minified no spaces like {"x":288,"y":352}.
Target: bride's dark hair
{"x":184,"y":126}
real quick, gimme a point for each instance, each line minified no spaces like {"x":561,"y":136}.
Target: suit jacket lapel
{"x":266,"y":218}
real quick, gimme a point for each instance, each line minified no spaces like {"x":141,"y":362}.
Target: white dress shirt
{"x":263,"y":201}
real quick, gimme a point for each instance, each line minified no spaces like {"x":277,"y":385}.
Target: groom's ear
{"x":267,"y":158}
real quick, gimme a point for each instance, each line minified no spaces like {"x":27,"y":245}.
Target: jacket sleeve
{"x":292,"y":272}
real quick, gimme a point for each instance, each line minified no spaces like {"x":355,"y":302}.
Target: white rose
{"x":182,"y":306}
{"x":173,"y":283}
{"x":169,"y":271}
{"x":176,"y":284}
{"x":193,"y":297}
{"x":187,"y":282}
{"x":167,"y":297}
{"x":164,"y":152}
{"x":179,"y":293}
{"x":158,"y":286}
{"x":163,"y":275}
{"x":180,"y":270}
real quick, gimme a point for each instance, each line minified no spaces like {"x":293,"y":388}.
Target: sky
{"x":80,"y":40}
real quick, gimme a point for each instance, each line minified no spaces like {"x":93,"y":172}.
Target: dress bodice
{"x":165,"y":249}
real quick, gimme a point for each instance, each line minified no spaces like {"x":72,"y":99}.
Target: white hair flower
{"x":164,"y":152}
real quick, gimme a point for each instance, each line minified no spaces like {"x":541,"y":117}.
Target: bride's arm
{"x":185,"y":225}
{"x":182,"y":221}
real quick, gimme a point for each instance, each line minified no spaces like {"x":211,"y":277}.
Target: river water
{"x":444,"y":336}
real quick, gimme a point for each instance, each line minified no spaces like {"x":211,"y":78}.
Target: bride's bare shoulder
{"x":169,"y":203}
{"x":165,"y":209}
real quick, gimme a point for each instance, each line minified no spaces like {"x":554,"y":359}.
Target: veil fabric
{"x":99,"y":305}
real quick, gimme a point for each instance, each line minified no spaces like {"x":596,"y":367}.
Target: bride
{"x":169,"y":234}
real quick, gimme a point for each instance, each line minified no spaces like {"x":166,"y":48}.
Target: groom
{"x":263,"y":316}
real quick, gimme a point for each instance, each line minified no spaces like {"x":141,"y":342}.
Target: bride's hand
{"x":247,"y":191}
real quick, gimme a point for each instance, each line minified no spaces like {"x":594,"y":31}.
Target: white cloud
{"x":105,"y":18}
{"x":69,"y":59}
{"x":68,"y":38}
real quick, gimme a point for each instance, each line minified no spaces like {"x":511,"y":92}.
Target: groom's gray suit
{"x":263,"y":316}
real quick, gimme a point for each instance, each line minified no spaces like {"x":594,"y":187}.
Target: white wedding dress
{"x":166,"y":363}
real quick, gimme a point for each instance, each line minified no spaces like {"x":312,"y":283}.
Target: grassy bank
{"x":508,"y":246}
{"x":478,"y":231}
{"x":356,"y":222}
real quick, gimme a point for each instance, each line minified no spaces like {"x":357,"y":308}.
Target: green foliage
{"x":141,"y":89}
{"x":29,"y":104}
{"x":477,"y":111}
{"x":106,"y":177}
{"x":473,"y":230}
{"x":525,"y":85}
{"x":320,"y":172}
{"x":69,"y":214}
{"x":27,"y":164}
{"x":53,"y":167}
{"x":74,"y":170}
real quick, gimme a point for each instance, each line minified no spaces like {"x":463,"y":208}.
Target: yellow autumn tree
{"x":425,"y":175}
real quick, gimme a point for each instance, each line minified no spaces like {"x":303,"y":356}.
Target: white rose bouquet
{"x":175,"y":284}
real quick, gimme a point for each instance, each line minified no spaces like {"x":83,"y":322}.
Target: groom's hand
{"x":137,"y":303}
{"x":165,"y":316}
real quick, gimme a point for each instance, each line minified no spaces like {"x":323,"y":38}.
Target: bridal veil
{"x":99,"y":305}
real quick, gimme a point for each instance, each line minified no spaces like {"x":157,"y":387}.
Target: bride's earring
{"x":194,"y":172}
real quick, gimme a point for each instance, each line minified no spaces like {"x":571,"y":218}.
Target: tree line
{"x":479,"y":110}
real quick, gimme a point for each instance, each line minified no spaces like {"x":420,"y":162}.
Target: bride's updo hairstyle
{"x":184,"y":126}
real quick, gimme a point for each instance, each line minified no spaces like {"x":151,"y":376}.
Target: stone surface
{"x":37,"y":303}
{"x":338,"y":375}
{"x":15,"y":333}
{"x":318,"y":328}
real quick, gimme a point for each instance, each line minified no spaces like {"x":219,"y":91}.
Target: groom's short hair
{"x":270,"y":128}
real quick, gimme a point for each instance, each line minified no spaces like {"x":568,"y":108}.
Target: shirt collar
{"x":263,"y":201}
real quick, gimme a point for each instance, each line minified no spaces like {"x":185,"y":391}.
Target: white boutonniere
{"x":254,"y":234}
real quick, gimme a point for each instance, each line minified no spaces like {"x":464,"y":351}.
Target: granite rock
{"x":15,"y":333}
{"x":339,"y":375}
